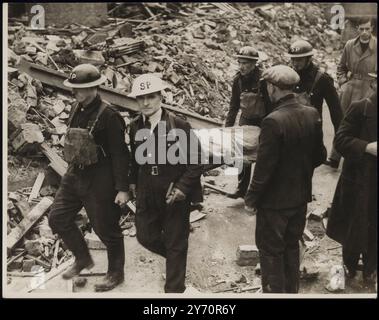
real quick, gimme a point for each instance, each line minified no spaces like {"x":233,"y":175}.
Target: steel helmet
{"x":300,"y":48}
{"x":146,"y":84}
{"x":248,"y":53}
{"x":84,"y":76}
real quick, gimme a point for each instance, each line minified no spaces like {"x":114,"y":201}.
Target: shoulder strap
{"x":74,"y":109}
{"x":171,"y":119}
{"x":317,"y":77}
{"x":102,"y":107}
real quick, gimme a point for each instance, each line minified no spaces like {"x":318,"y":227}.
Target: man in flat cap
{"x":290,"y":148}
{"x":248,"y":94}
{"x":96,"y":178}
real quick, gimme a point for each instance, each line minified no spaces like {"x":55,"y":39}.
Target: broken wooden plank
{"x":55,"y":258}
{"x":15,"y":257}
{"x":57,"y":163}
{"x":215,"y":188}
{"x":37,"y":186}
{"x":23,"y":274}
{"x":24,"y":226}
{"x":196,"y":215}
{"x":39,"y":261}
{"x":53,"y":273}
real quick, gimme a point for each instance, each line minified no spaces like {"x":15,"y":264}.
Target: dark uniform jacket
{"x":185,"y":176}
{"x":354,"y":209}
{"x":290,"y":147}
{"x":109,"y":134}
{"x":323,"y":90}
{"x":250,"y":82}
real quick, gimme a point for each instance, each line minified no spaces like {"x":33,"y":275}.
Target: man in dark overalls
{"x":163,"y":189}
{"x":248,"y":94}
{"x":314,"y":87}
{"x":290,"y":148}
{"x":96,"y":179}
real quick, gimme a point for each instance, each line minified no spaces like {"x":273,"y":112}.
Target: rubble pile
{"x":190,"y":45}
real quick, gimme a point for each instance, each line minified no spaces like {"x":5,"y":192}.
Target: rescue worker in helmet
{"x":314,"y":87}
{"x":163,"y":190}
{"x":96,"y":178}
{"x":249,"y":95}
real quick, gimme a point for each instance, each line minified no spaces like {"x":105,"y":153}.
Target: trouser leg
{"x":62,"y":215}
{"x":148,"y":223}
{"x":104,"y":216}
{"x":269,"y":237}
{"x":293,"y":234}
{"x":350,"y":259}
{"x":176,"y":233}
{"x":244,"y":179}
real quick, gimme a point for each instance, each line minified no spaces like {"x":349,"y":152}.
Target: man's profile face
{"x":83,"y":94}
{"x":246,"y":66}
{"x":149,"y":103}
{"x":365,"y":31}
{"x":299,"y":63}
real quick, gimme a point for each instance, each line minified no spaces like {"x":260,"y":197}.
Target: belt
{"x":151,"y":170}
{"x":361,"y":76}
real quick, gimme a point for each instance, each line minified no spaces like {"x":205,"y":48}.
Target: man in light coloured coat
{"x":357,"y":61}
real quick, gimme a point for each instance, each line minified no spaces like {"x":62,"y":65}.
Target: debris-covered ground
{"x":191,"y":45}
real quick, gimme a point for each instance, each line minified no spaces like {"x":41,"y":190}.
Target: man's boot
{"x":243,"y":183}
{"x":75,"y":242}
{"x":272,"y":271}
{"x":292,"y":274}
{"x":115,"y":274}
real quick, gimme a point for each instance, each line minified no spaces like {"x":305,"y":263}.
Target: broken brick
{"x":27,"y":265}
{"x":33,"y":247}
{"x":28,"y":138}
{"x":15,"y":264}
{"x":94,"y":242}
{"x":247,"y":255}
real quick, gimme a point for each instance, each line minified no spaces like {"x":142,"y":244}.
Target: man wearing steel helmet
{"x":354,"y":214}
{"x":248,"y":94}
{"x":96,"y":179}
{"x":163,"y":190}
{"x":290,"y":147}
{"x":315,"y":87}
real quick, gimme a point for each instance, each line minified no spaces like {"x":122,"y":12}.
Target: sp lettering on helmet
{"x":295,"y":49}
{"x":72,"y":75}
{"x":145,"y":85}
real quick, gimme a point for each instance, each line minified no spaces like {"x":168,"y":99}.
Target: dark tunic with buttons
{"x":323,"y":90}
{"x":161,"y":228}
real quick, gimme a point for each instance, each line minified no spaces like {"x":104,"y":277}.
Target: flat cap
{"x":281,"y":76}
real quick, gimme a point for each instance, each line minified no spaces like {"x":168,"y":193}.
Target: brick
{"x":28,"y":138}
{"x":94,"y":242}
{"x":307,"y":235}
{"x":247,"y":255}
{"x":27,"y":265}
{"x":16,"y":264}
{"x":317,"y":214}
{"x":33,"y":247}
{"x":93,"y":57}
